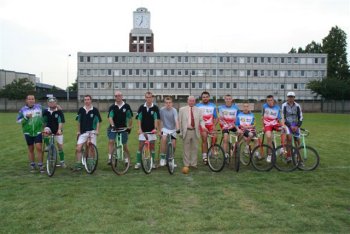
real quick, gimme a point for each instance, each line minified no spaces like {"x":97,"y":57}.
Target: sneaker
{"x":258,"y":155}
{"x":46,"y":149}
{"x":137,"y":166}
{"x":282,"y":151}
{"x":154,"y":166}
{"x":205,"y":160}
{"x":77,"y":167}
{"x":32,"y":168}
{"x":288,"y":159}
{"x":175,"y":165}
{"x":162,"y":162}
{"x":268,"y":159}
{"x":109,"y":161}
{"x":246,"y":150}
{"x":63,"y":165}
{"x":42,"y":169}
{"x":227,"y":155}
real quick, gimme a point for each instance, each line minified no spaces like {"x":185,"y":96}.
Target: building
{"x":244,"y":75}
{"x":7,"y":77}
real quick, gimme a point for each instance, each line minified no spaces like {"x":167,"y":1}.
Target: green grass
{"x":200,"y":202}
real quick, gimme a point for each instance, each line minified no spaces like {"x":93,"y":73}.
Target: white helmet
{"x":47,"y":130}
{"x":290,"y":94}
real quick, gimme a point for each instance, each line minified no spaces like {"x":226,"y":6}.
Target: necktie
{"x":192,"y":118}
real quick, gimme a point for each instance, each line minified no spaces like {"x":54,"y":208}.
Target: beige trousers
{"x":190,"y":148}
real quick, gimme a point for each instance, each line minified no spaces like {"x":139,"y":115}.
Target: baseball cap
{"x":51,"y":99}
{"x":290,"y":94}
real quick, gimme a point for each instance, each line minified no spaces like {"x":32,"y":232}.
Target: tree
{"x":74,"y":86}
{"x":335,"y":46}
{"x":330,"y":88}
{"x":18,"y":89}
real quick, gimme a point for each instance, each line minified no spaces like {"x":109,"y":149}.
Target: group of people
{"x":193,"y":122}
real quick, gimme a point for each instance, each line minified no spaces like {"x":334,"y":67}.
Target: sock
{"x":61,"y":154}
{"x":204,"y":155}
{"x":138,"y":157}
{"x":162,"y":156}
{"x":153,"y":155}
{"x":40,"y":164}
{"x":109,"y":156}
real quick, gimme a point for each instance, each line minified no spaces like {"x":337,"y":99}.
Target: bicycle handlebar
{"x":117,"y":130}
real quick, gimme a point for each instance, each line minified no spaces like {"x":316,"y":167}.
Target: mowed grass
{"x":200,"y":202}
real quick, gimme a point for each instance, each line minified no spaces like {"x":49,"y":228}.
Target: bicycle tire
{"x":244,"y":155}
{"x":216,"y":158}
{"x":170,"y":158}
{"x":91,"y":158}
{"x":236,"y":157}
{"x":286,"y":158}
{"x":146,"y":159}
{"x":309,"y":158}
{"x":51,"y":160}
{"x":259,"y":157}
{"x":120,"y":161}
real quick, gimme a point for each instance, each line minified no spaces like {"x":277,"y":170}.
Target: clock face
{"x":141,"y":21}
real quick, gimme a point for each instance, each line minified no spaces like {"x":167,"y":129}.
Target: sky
{"x":37,"y":36}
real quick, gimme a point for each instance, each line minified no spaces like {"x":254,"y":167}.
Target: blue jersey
{"x":271,"y":115}
{"x":227,"y":116}
{"x":245,"y":120}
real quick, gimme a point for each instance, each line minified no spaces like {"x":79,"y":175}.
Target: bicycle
{"x":170,"y":157}
{"x":89,"y":154}
{"x":120,"y":159}
{"x":260,"y":152}
{"x":216,"y":154}
{"x":51,"y":158}
{"x":146,"y":155}
{"x":245,"y":149}
{"x":309,"y":157}
{"x":233,"y":158}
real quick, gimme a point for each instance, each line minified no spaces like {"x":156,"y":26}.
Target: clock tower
{"x":141,"y":36}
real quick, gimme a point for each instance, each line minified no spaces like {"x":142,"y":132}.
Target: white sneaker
{"x":137,"y":166}
{"x":162,"y":162}
{"x":227,"y":155}
{"x":282,"y":152}
{"x":257,"y":155}
{"x":246,"y":150}
{"x":154,"y":166}
{"x":126,"y":160}
{"x":268,"y":159}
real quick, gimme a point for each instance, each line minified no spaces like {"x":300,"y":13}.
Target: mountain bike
{"x":120,"y":159}
{"x":309,"y":157}
{"x":51,"y":155}
{"x":146,"y":154}
{"x":216,"y":154}
{"x":89,"y":154}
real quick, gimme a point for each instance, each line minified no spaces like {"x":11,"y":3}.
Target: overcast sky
{"x":36,"y":36}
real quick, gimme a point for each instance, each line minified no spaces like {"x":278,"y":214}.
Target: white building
{"x":244,"y":75}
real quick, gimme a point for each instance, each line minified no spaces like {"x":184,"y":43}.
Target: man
{"x":119,"y":116}
{"x":227,"y":119}
{"x":147,"y":121}
{"x":30,"y":116}
{"x":292,"y":117}
{"x":89,"y":120}
{"x":210,"y":119}
{"x":190,"y":122}
{"x":169,"y":124}
{"x":54,"y":120}
{"x":271,"y":116}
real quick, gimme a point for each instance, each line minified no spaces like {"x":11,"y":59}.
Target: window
{"x":115,"y":59}
{"x":165,"y":85}
{"x":102,"y":59}
{"x":165,"y":72}
{"x":151,"y":85}
{"x":227,"y":85}
{"x":214,"y":85}
{"x":179,"y":59}
{"x":88,"y":72}
{"x":144,"y":85}
{"x":289,"y":60}
{"x":295,"y":86}
{"x":262,"y":60}
{"x":137,"y":85}
{"x":268,"y":59}
{"x":88,"y":85}
{"x":221,"y":59}
{"x":255,"y":72}
{"x":95,"y":59}
{"x":137,"y":72}
{"x":109,"y":72}
{"x":200,"y":85}
{"x":296,"y":60}
{"x":179,"y":72}
{"x":186,"y":85}
{"x":186,"y":59}
{"x":81,"y":85}
{"x":282,"y":60}
{"x":109,"y":59}
{"x":228,"y":59}
{"x":193,"y":73}
{"x":88,"y":59}
{"x":221,"y":85}
{"x":95,"y":85}
{"x":179,"y":85}
{"x":172,"y":85}
{"x":255,"y":59}
{"x":81,"y":59}
{"x":81,"y":72}
{"x":193,"y":85}
{"x":102,"y":85}
{"x":123,"y":85}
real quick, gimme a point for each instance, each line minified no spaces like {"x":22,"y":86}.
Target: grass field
{"x":200,"y":202}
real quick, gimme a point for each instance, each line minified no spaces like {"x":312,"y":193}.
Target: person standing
{"x":89,"y":120}
{"x":169,"y":124}
{"x":119,"y":116}
{"x":210,"y":118}
{"x":30,"y":116}
{"x":147,"y":121}
{"x":54,"y":120}
{"x":190,"y":122}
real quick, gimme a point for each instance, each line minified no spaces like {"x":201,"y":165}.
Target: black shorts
{"x":31,"y":140}
{"x":229,"y":130}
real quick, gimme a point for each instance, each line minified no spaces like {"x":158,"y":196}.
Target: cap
{"x":290,"y":94}
{"x":51,"y":99}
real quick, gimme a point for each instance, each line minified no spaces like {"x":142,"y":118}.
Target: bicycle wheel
{"x":260,"y":158}
{"x":91,"y":158}
{"x":236,"y":157}
{"x":51,"y":160}
{"x":146,"y":159}
{"x":309,"y":158}
{"x":244,"y":153}
{"x":287,"y":158}
{"x":216,"y":158}
{"x":170,"y":159}
{"x":120,"y":161}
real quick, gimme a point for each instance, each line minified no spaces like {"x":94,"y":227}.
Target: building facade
{"x":243,"y":75}
{"x":7,"y":77}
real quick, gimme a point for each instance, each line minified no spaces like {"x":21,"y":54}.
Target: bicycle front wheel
{"x":120,"y":161}
{"x":170,"y":158}
{"x":263,"y":157}
{"x":309,"y":158}
{"x":90,"y":158}
{"x":146,"y":159}
{"x":287,"y":158}
{"x":216,"y":158}
{"x":244,"y":153}
{"x":51,"y":160}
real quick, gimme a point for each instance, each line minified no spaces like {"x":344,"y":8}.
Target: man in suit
{"x":190,"y":118}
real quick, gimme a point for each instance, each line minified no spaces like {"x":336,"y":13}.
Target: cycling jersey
{"x":209,"y":113}
{"x":228,"y":116}
{"x":31,"y":126}
{"x":271,"y":115}
{"x":292,"y":114}
{"x":88,"y":119}
{"x":53,"y":118}
{"x":245,"y":120}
